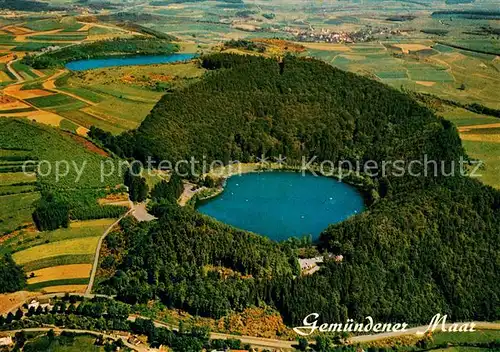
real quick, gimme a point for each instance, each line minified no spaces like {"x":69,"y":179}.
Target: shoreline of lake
{"x":286,"y":203}
{"x":127,"y":60}
{"x":228,"y":171}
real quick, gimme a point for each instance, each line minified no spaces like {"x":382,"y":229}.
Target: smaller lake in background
{"x":90,"y":64}
{"x":281,"y":205}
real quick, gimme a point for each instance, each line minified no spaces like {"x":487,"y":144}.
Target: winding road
{"x":88,"y":291}
{"x":19,"y":78}
{"x":258,"y":342}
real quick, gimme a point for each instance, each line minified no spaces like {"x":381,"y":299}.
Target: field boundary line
{"x":20,"y":79}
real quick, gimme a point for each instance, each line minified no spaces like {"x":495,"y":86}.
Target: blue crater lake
{"x":90,"y":64}
{"x":281,"y":205}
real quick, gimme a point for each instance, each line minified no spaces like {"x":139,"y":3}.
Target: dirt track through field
{"x":50,"y":84}
{"x":21,"y":38}
{"x":17,"y":92}
{"x":38,"y":115}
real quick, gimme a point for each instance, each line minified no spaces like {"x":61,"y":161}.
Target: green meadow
{"x":121,"y":97}
{"x":16,"y":211}
{"x":52,"y":101}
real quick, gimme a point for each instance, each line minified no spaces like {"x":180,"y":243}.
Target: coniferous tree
{"x":12,"y":277}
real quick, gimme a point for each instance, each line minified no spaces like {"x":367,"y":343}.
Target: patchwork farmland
{"x":18,"y":190}
{"x":58,"y":258}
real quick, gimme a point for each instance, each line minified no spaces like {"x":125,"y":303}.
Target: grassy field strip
{"x":480,"y":336}
{"x":481,"y":137}
{"x":16,"y":211}
{"x":84,"y":93}
{"x":9,"y":178}
{"x":79,"y":246}
{"x":489,"y":126}
{"x":58,"y":261}
{"x":134,"y":95}
{"x":77,"y":229}
{"x":62,"y":282}
{"x":489,"y":153}
{"x":52,"y":100}
{"x":104,"y":113}
{"x":6,"y":190}
{"x":68,"y":107}
{"x":461,"y":117}
{"x":72,"y":271}
{"x":72,"y":288}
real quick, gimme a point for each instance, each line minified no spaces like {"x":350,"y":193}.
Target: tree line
{"x":52,"y":211}
{"x":12,"y":277}
{"x":99,"y":314}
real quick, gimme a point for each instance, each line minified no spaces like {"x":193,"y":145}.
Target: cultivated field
{"x":26,"y":141}
{"x":17,"y":191}
{"x":418,"y":67}
{"x":118,"y":99}
{"x":72,"y":271}
{"x":60,"y":260}
{"x":489,"y":153}
{"x":11,"y":301}
{"x":79,"y":246}
{"x":78,"y":343}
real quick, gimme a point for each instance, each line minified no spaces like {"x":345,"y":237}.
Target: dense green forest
{"x":245,"y":44}
{"x":429,"y":243}
{"x":180,"y":272}
{"x":297,"y":108}
{"x":100,"y":49}
{"x":469,"y":14}
{"x":12,"y":276}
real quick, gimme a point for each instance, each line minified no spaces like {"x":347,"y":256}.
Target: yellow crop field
{"x":4,"y":77}
{"x":65,"y":288}
{"x":72,"y":271}
{"x":99,"y":224}
{"x":406,"y":48}
{"x":326,"y":46}
{"x":477,"y":137}
{"x":86,"y":245}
